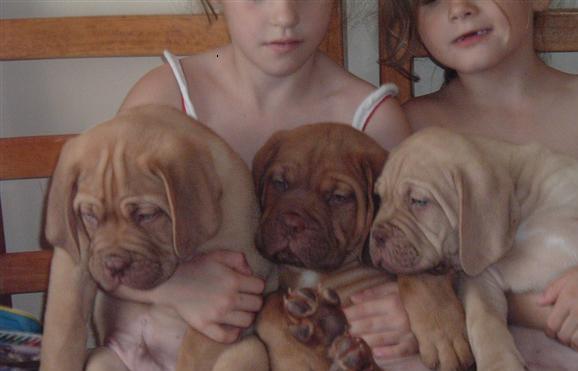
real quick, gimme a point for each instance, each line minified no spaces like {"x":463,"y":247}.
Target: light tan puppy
{"x":315,"y":185}
{"x":506,"y":215}
{"x":130,"y":199}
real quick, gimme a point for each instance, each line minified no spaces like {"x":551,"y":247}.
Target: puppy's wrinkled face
{"x":314,"y":196}
{"x":417,"y":227}
{"x":125,"y":218}
{"x":133,"y":196}
{"x":413,"y":231}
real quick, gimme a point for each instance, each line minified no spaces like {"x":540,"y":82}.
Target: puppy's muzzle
{"x":390,"y":249}
{"x":116,"y":266}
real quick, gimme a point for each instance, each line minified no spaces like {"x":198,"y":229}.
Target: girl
{"x":497,"y":86}
{"x":270,"y":77}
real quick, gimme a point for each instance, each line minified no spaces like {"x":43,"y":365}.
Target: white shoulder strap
{"x":369,"y":105}
{"x":177,"y":69}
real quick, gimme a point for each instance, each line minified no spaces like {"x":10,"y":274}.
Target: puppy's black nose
{"x":293,"y":222}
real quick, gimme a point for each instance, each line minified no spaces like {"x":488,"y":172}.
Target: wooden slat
{"x":108,"y":36}
{"x":24,"y":272}
{"x":557,"y":31}
{"x":29,"y":157}
{"x":118,"y":36}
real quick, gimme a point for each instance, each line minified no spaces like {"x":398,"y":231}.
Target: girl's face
{"x":475,"y":35}
{"x":278,"y":36}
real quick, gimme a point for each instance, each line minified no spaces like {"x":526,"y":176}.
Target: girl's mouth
{"x":472,"y":37}
{"x":283,"y":46}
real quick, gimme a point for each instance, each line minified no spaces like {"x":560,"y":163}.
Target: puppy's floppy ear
{"x":372,"y":162}
{"x":262,"y":161}
{"x":193,"y":191}
{"x":61,"y":227}
{"x":372,"y":167}
{"x":488,"y":214}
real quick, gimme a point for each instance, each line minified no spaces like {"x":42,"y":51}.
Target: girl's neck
{"x":512,"y":80}
{"x":263,"y":91}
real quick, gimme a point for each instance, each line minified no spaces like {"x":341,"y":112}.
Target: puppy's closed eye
{"x":143,"y":214}
{"x":89,"y":218}
{"x":147,"y":215}
{"x":339,"y":198}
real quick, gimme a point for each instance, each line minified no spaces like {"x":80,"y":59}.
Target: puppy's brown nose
{"x":116,"y":265}
{"x":378,"y":238}
{"x":293,"y":222}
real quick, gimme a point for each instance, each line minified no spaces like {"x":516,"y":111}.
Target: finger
{"x":376,"y":292}
{"x":238,"y":319}
{"x":550,"y":295}
{"x":372,"y":325}
{"x":371,"y":308}
{"x":382,"y":339}
{"x":251,"y":285}
{"x":567,"y":330}
{"x":233,"y":259}
{"x":403,"y":349}
{"x":249,"y":303}
{"x":555,"y":320}
{"x":222,"y":334}
{"x":574,"y":342}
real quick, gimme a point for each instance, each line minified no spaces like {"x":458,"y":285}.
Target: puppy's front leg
{"x":486,"y":317}
{"x":71,"y":294}
{"x":437,"y":320}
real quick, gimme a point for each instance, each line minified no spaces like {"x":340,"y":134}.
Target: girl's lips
{"x":284,"y":46}
{"x":472,"y":38}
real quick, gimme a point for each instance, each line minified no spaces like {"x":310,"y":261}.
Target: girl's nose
{"x":460,"y":9}
{"x":284,"y":13}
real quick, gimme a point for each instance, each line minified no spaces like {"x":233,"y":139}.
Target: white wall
{"x":66,"y":96}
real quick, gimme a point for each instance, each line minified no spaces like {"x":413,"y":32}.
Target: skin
{"x":503,"y":90}
{"x":246,"y":91}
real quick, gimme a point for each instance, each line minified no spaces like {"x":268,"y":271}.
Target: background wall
{"x":52,"y":97}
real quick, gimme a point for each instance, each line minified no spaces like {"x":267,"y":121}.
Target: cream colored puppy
{"x":506,"y":215}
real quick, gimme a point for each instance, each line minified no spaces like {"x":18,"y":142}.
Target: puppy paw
{"x":437,"y":320}
{"x":349,"y":353}
{"x":315,"y":316}
{"x":445,"y":352}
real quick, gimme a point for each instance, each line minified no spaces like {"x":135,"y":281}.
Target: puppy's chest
{"x":145,"y":337}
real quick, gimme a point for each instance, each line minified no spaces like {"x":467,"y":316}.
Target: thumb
{"x":234,"y":260}
{"x":550,"y":294}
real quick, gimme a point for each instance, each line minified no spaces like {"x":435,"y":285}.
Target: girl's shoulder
{"x":425,"y":110}
{"x":159,"y":85}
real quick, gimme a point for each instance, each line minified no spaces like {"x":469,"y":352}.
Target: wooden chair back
{"x":88,"y":37}
{"x":556,"y":31}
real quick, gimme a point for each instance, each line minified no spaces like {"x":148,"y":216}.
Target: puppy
{"x":130,"y":199}
{"x":315,"y":187}
{"x":506,"y":215}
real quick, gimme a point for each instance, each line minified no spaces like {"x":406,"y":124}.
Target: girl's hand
{"x":215,"y":294}
{"x":377,"y":315}
{"x":562,"y":322}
